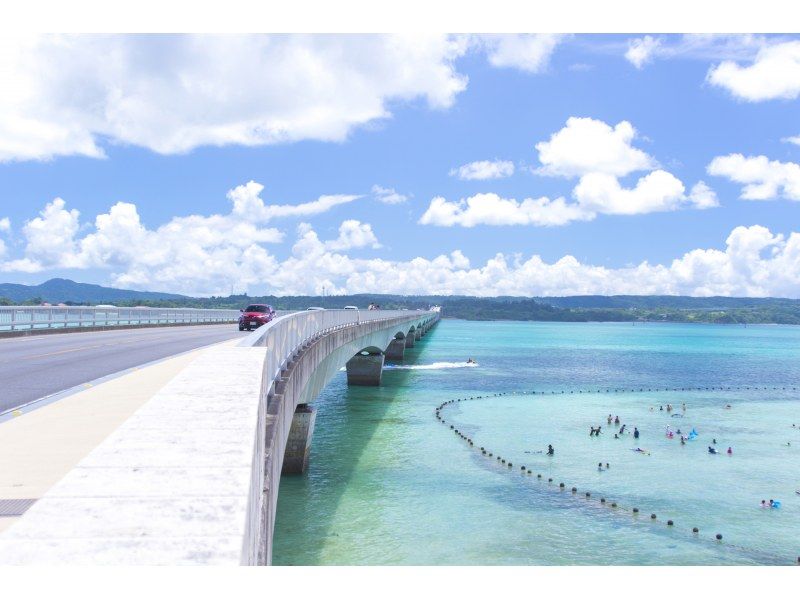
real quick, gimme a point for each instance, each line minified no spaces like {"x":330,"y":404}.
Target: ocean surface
{"x":390,"y":484}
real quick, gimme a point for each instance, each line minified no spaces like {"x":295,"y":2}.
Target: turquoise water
{"x":389,"y":484}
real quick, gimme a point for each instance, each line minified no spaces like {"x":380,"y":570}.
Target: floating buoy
{"x":588,"y":494}
{"x":695,"y":530}
{"x":538,"y":475}
{"x":719,"y":536}
{"x":635,"y":510}
{"x":669,"y":522}
{"x":613,"y":504}
{"x":522,"y":467}
{"x":529,"y":472}
{"x":549,"y":479}
{"x":652,"y":516}
{"x":574,"y":489}
{"x":603,"y":500}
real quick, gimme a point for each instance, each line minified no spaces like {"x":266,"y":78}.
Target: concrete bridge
{"x":192,"y":475}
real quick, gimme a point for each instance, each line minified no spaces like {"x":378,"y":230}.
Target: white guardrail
{"x":14,"y":318}
{"x":285,"y":336}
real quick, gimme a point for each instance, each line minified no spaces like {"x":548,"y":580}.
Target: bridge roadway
{"x":32,"y":367}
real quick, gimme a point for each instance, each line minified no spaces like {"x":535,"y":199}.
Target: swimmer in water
{"x":599,"y":467}
{"x":622,"y":429}
{"x":636,"y":432}
{"x":661,"y":407}
{"x":616,"y":436}
{"x":616,"y":420}
{"x":764,"y":504}
{"x":712,"y":450}
{"x":608,"y":419}
{"x":713,"y":441}
{"x":727,"y":406}
{"x":550,"y":450}
{"x":730,"y":451}
{"x":683,"y":406}
{"x":683,"y":439}
{"x":608,"y":466}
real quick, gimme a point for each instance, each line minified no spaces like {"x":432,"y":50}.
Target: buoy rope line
{"x":588,"y":496}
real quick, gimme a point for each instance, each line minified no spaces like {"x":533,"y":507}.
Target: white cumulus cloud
{"x":482,"y":170}
{"x":641,"y":50}
{"x":763,"y":179}
{"x":195,"y":253}
{"x":388,"y":195}
{"x":491,"y":209}
{"x":587,"y":145}
{"x":172,"y":93}
{"x":595,"y":152}
{"x":773,"y":74}
{"x":525,"y":51}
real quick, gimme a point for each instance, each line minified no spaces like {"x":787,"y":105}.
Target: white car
{"x":315,"y":309}
{"x":351,"y":307}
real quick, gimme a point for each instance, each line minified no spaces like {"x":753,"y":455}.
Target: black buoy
{"x":522,"y":467}
{"x":538,"y":475}
{"x":510,"y":464}
{"x":652,"y":516}
{"x":669,"y":522}
{"x":502,"y":460}
{"x":603,"y":500}
{"x":561,"y":485}
{"x":635,"y":510}
{"x":695,"y":530}
{"x":451,"y":427}
{"x":529,"y":472}
{"x":549,"y":479}
{"x":719,"y":536}
{"x":588,"y":494}
{"x":574,"y":489}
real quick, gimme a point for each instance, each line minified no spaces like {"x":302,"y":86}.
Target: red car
{"x":254,"y":315}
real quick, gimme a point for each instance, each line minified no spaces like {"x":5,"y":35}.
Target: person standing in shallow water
{"x":636,"y":433}
{"x":550,"y":450}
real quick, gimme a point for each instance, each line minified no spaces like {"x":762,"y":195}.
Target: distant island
{"x":581,"y":308}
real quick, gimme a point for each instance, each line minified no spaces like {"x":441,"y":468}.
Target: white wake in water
{"x":439,"y":365}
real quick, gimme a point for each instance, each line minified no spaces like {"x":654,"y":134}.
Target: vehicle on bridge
{"x":254,"y":315}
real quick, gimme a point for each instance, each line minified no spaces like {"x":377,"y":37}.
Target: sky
{"x":525,"y":164}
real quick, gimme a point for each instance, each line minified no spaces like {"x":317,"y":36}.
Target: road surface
{"x":32,"y":367}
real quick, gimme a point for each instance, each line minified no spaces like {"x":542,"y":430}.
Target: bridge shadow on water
{"x":347,"y":421}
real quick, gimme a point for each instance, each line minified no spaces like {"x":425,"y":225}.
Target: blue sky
{"x":185,"y":120}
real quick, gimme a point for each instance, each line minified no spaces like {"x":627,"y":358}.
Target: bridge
{"x":192,"y":474}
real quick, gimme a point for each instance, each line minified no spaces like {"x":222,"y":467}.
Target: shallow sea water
{"x":389,"y":484}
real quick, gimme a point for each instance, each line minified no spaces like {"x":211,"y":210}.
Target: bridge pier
{"x":410,"y":337}
{"x":395,"y":350}
{"x":365,"y":370}
{"x":298,"y":443}
{"x":418,"y":334}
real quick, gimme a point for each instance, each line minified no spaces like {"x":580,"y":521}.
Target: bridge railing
{"x":285,"y":336}
{"x":14,"y":318}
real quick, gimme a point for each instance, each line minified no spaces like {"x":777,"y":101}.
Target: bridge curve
{"x":193,"y":475}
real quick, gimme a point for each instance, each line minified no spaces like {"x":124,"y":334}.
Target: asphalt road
{"x":32,"y":367}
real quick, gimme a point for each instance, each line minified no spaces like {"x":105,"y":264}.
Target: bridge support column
{"x":410,"y":339}
{"x":298,"y":444}
{"x":396,"y":349}
{"x":365,"y":370}
{"x":418,"y":334}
